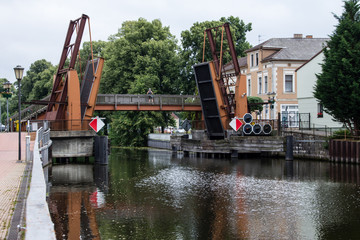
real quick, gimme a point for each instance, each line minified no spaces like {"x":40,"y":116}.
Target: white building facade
{"x":306,"y":76}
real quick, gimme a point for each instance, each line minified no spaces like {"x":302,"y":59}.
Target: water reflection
{"x":154,"y":195}
{"x":74,"y":198}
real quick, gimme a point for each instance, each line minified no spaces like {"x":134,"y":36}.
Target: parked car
{"x":2,"y":127}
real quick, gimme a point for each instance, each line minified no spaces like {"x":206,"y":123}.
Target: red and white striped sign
{"x":96,"y":124}
{"x":236,"y":124}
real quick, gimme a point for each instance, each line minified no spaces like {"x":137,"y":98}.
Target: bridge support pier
{"x":101,"y":149}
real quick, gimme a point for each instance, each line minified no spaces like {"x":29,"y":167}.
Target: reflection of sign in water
{"x":97,"y":199}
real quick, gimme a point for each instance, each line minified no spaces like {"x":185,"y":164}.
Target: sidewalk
{"x":11,"y":173}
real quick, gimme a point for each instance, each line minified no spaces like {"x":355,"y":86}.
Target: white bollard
{"x":28,"y":156}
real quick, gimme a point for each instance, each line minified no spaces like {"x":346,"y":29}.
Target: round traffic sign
{"x":247,"y":129}
{"x":257,"y":128}
{"x":247,"y":118}
{"x":267,"y":128}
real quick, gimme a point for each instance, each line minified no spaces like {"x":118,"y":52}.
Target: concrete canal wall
{"x":198,"y":143}
{"x":308,"y":146}
{"x":158,"y":140}
{"x":38,"y":220}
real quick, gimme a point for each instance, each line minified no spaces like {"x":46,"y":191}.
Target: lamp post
{"x":271,"y":101}
{"x":7,"y":95}
{"x":0,"y":119}
{"x":18,"y":75}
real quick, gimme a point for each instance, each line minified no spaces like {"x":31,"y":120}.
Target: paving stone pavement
{"x":11,"y":172}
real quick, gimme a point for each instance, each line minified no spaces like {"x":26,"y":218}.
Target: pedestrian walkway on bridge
{"x":11,"y":173}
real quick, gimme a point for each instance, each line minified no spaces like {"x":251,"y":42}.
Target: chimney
{"x":298,"y":35}
{"x":309,"y":36}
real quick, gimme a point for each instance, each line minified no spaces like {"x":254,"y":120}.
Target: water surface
{"x":150,"y":194}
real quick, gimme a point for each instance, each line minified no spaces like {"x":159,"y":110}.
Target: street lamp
{"x":7,"y":95}
{"x":271,"y":101}
{"x":18,"y":75}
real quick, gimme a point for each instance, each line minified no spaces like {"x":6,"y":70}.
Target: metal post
{"x":0,"y":118}
{"x":7,"y":114}
{"x":289,"y":148}
{"x":19,"y":93}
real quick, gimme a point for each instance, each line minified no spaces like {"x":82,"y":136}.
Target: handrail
{"x":136,"y":99}
{"x":183,"y":100}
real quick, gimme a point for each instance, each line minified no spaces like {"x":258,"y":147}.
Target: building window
{"x":289,"y":83}
{"x":249,"y":87}
{"x":260,"y":85}
{"x":252,"y":60}
{"x":265,"y":84}
{"x":257,"y":59}
{"x":289,"y":115}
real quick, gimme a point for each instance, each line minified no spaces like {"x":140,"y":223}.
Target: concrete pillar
{"x":101,"y":149}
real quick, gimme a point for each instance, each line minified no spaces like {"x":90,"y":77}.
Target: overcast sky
{"x":35,"y":29}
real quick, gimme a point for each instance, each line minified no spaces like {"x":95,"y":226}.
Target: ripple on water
{"x":271,"y":207}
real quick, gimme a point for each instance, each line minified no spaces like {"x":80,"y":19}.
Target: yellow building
{"x":270,"y":68}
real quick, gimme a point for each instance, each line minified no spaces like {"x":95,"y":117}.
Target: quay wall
{"x":38,"y":220}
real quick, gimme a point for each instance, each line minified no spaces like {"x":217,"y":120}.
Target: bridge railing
{"x":144,"y":99}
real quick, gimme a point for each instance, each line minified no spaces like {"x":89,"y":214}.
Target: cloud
{"x":36,"y":29}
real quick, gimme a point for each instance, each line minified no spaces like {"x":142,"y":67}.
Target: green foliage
{"x":192,"y":47}
{"x":38,"y":81}
{"x":258,"y":107}
{"x":132,"y":128}
{"x":338,"y":85}
{"x":85,"y":55}
{"x":340,"y":134}
{"x":140,"y":56}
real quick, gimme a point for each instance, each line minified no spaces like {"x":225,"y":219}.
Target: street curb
{"x":17,"y":220}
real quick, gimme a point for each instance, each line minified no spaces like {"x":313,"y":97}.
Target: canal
{"x":151,"y":194}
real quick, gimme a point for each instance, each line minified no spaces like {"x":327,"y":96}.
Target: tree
{"x":338,"y":86}
{"x":192,"y":47}
{"x":38,"y":81}
{"x":255,"y":106}
{"x":140,"y":56}
{"x":85,"y":55}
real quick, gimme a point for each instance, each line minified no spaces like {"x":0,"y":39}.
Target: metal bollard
{"x":27,"y":149}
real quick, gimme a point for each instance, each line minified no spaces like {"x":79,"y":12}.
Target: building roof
{"x":242,"y":63}
{"x":296,"y":48}
{"x":310,"y":59}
